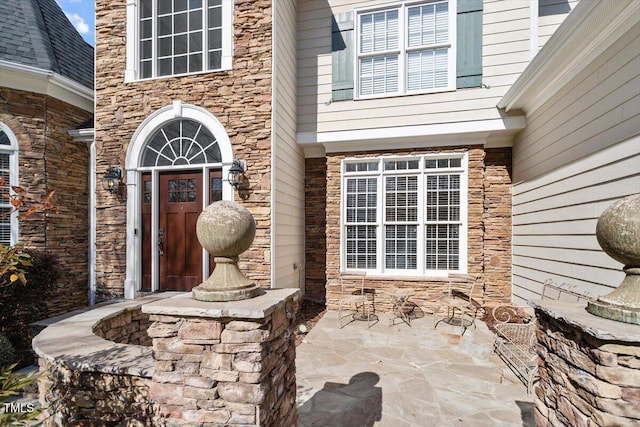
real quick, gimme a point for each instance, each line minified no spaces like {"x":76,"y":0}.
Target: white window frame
{"x":134,"y":170}
{"x":12,"y":151}
{"x":403,"y":49}
{"x":132,"y":72}
{"x":422,"y":172}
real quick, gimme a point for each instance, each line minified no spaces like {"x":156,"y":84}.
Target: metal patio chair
{"x":354,"y":299}
{"x":457,"y":300}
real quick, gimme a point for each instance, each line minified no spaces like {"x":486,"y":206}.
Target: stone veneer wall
{"x":50,"y":160}
{"x":585,"y":380}
{"x":227,"y":370}
{"x":127,"y":327}
{"x":211,"y":363}
{"x":497,"y":224}
{"x":239,"y":98}
{"x":87,"y":380}
{"x":489,"y":229}
{"x":315,"y":202}
{"x":84,"y":398}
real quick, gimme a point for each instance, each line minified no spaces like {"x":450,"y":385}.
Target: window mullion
{"x":380,"y":221}
{"x":402,"y":40}
{"x":154,"y":39}
{"x":205,"y":35}
{"x":420,"y":251}
{"x":383,"y":220}
{"x":380,"y":53}
{"x":428,"y":47}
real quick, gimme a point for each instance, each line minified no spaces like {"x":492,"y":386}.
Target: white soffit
{"x":31,"y":79}
{"x":416,"y":136}
{"x":588,"y":31}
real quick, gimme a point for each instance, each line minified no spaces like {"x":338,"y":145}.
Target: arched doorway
{"x":175,"y":165}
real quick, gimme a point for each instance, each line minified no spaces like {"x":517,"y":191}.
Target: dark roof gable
{"x":38,"y":34}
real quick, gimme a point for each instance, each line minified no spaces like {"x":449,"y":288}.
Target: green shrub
{"x":23,"y":304}
{"x":7,"y":352}
{"x":43,"y":272}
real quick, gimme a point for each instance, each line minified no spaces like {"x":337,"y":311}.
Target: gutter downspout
{"x":92,"y":223}
{"x":88,"y":136}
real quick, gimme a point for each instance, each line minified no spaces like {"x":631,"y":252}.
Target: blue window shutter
{"x":469,"y":40}
{"x":342,"y":56}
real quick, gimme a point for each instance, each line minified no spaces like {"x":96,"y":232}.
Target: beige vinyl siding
{"x":505,"y":55}
{"x":288,"y":161}
{"x":579,"y":153}
{"x":551,"y":13}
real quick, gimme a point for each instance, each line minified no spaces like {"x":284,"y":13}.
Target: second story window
{"x":406,"y":48}
{"x":183,"y":36}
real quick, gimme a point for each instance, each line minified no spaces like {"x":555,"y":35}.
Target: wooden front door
{"x":178,"y":253}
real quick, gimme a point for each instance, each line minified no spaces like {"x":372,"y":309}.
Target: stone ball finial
{"x":226,"y":229}
{"x":618,"y":233}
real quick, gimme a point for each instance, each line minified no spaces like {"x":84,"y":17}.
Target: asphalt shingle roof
{"x":38,"y":34}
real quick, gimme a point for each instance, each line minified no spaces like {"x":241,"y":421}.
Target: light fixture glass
{"x":236,"y":173}
{"x":111,"y":180}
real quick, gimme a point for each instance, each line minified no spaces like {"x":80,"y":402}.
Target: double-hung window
{"x":176,"y":37}
{"x":406,"y":48}
{"x":404,"y":216}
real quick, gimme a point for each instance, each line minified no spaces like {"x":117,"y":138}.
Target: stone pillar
{"x":589,"y":368}
{"x":225,"y":363}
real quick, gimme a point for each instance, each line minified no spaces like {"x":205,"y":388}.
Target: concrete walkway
{"x":405,"y":376}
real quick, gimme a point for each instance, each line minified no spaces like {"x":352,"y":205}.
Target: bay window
{"x":404,"y":216}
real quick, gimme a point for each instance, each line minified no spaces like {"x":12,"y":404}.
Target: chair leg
{"x":340,"y":316}
{"x":445,"y":317}
{"x":367,"y":312}
{"x":434,"y":311}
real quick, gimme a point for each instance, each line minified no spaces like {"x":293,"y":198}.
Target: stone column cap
{"x":576,"y":315}
{"x":255,"y":308}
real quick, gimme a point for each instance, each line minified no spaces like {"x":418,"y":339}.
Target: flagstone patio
{"x":405,"y":376}
{"x":395,"y":376}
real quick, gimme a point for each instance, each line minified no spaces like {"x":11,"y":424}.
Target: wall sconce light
{"x":237,"y":179}
{"x":236,"y":174}
{"x":111,"y":180}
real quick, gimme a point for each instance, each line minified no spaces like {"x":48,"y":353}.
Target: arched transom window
{"x":181,"y":142}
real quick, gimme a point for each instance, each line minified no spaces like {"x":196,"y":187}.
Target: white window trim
{"x":134,"y":185}
{"x":133,"y":46}
{"x":421,"y":271}
{"x":402,"y":65}
{"x":14,"y":169}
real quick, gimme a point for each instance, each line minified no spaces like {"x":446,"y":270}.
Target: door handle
{"x":160,"y":241}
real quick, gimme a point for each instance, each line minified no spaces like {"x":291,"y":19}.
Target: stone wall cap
{"x":576,"y":314}
{"x":259,"y":307}
{"x":71,"y":342}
